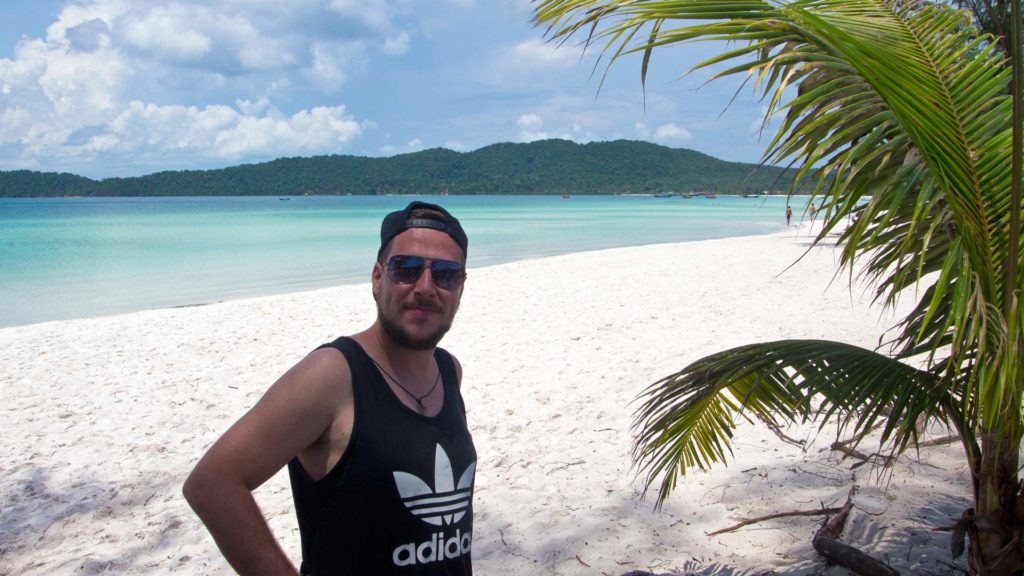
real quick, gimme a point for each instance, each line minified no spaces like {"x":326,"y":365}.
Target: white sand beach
{"x":103,"y":419}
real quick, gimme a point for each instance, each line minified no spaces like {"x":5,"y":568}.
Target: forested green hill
{"x":543,"y":167}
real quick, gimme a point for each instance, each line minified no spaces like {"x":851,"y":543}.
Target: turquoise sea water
{"x":63,"y":258}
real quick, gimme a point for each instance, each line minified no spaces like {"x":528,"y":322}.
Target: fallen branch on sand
{"x":826,"y":542}
{"x":826,"y":539}
{"x":780,"y":434}
{"x":938,"y":441}
{"x":566,"y":465}
{"x":749,"y":521}
{"x":887,"y":461}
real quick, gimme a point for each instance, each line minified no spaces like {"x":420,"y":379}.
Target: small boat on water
{"x":664,"y":195}
{"x":565,"y":196}
{"x":751,"y":195}
{"x":710,"y":196}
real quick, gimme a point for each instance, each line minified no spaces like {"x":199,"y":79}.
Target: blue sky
{"x":121,"y":88}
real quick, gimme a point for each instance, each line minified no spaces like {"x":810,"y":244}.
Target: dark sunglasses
{"x":447,"y":274}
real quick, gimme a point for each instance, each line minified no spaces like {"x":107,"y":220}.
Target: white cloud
{"x":67,"y":107}
{"x":414,"y":145}
{"x":525,"y":66}
{"x":212,"y":133}
{"x":530,"y":121}
{"x":75,"y":15}
{"x":534,"y":135}
{"x":531,"y":129}
{"x":215,"y":38}
{"x":372,"y":13}
{"x":127,"y":81}
{"x":54,"y":82}
{"x":569,"y":124}
{"x":538,"y":52}
{"x":250,"y":108}
{"x":377,"y":16}
{"x":531,"y":136}
{"x":168,"y":32}
{"x":319,"y":130}
{"x":672,"y":133}
{"x":397,"y":45}
{"x":330,"y":63}
{"x":89,"y":36}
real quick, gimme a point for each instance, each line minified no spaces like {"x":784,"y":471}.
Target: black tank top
{"x":400,"y":500}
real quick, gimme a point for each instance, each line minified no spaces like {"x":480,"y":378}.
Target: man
{"x":372,"y":429}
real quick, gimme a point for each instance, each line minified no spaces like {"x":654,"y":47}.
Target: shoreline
{"x":107,"y":415}
{"x":178,"y":252}
{"x":355,"y":282}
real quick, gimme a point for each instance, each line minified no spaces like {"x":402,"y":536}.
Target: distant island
{"x":541,"y":167}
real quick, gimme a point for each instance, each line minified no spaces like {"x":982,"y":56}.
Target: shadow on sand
{"x":36,"y":517}
{"x":910,"y":547}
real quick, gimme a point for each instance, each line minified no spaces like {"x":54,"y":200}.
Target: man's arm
{"x":295,"y":412}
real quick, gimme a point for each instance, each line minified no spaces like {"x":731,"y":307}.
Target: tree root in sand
{"x":826,"y":541}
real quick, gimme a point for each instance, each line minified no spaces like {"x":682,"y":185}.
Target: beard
{"x":399,"y":335}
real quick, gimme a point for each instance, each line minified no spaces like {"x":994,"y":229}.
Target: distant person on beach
{"x":813,"y":211}
{"x":372,"y":428}
{"x":789,"y":214}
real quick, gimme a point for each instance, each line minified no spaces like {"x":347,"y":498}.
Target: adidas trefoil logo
{"x":447,"y":502}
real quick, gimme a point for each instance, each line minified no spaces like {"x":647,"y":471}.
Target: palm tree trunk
{"x":995,"y":547}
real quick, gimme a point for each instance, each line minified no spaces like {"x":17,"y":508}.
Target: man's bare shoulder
{"x":328,"y":362}
{"x":294,"y":413}
{"x":323,"y":373}
{"x":326,"y":394}
{"x":305,"y":401}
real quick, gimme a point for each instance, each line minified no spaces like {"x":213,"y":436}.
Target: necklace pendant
{"x":419,"y":399}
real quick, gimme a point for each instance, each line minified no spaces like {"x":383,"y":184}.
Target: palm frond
{"x":686,"y":420}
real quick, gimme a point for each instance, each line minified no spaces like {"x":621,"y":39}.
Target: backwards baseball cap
{"x":401,"y":220}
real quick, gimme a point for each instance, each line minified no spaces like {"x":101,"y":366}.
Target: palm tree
{"x":900,"y":112}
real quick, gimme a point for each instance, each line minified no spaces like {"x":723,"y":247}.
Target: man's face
{"x":417,"y":315}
